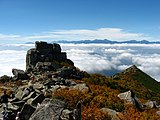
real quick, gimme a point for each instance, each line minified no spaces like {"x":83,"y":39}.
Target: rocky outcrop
{"x":4,"y":78}
{"x":19,"y":74}
{"x":45,"y":53}
{"x":47,"y":70}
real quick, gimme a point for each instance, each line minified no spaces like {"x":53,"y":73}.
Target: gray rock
{"x":19,"y":94}
{"x":5,"y":78}
{"x":19,"y":104}
{"x":55,"y":88}
{"x":38,"y":99}
{"x":56,"y":48}
{"x":26,"y":112}
{"x":132,"y":99}
{"x":31,"y":95}
{"x":48,"y":84}
{"x":29,"y":101}
{"x":43,"y":46}
{"x":70,"y":82}
{"x":78,"y":112}
{"x":66,"y":115}
{"x":19,"y":74}
{"x":27,"y":90}
{"x":158,"y":113}
{"x":49,"y":110}
{"x":80,"y":87}
{"x":46,"y":66}
{"x":111,"y":113}
{"x":126,"y":96}
{"x":150,"y":104}
{"x":66,"y":72}
{"x":13,"y":107}
{"x":47,"y":53}
{"x":38,"y":86}
{"x":31,"y":59}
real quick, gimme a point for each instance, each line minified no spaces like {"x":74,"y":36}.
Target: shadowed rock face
{"x":44,"y":52}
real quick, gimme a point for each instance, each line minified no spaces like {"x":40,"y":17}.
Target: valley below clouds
{"x":106,"y":59}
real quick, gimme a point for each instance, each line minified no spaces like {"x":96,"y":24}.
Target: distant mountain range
{"x":105,"y":41}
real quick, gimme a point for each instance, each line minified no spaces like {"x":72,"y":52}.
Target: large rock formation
{"x":45,"y":54}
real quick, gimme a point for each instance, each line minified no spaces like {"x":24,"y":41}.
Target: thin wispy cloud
{"x":80,"y":34}
{"x":9,"y":36}
{"x":84,"y":34}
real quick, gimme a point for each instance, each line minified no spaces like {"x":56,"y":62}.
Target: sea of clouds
{"x":94,"y":58}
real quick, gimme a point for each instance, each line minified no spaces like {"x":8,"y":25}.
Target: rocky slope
{"x":52,"y":88}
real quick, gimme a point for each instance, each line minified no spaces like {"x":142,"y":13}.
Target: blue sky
{"x":31,"y":20}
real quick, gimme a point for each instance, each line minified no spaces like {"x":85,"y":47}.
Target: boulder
{"x":48,"y":84}
{"x":31,"y":59}
{"x":43,"y":46}
{"x":26,"y":112}
{"x":111,"y":113}
{"x":19,"y":94}
{"x":27,"y":90}
{"x":70,"y":82}
{"x":150,"y":104}
{"x":55,"y":88}
{"x":49,"y":110}
{"x":19,"y":104}
{"x":126,"y":96}
{"x":56,"y":48}
{"x":38,"y":86}
{"x":158,"y":113}
{"x":70,"y":72}
{"x":38,"y":99}
{"x":30,"y":95}
{"x":4,"y":78}
{"x":66,"y":72}
{"x":80,"y":87}
{"x":19,"y":74}
{"x":131,"y":98}
{"x":46,"y":66}
{"x":13,"y":107}
{"x":66,"y":115}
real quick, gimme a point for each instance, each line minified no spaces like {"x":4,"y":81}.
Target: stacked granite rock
{"x":49,"y":58}
{"x":44,"y":57}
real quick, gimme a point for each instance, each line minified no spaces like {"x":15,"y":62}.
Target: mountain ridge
{"x":134,"y":73}
{"x":104,"y":41}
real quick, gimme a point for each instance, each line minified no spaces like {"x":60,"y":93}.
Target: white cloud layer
{"x":109,"y":59}
{"x":102,"y":58}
